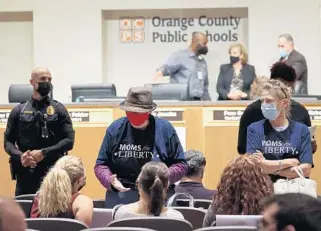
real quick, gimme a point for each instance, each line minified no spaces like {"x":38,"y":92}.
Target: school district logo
{"x":132,"y":30}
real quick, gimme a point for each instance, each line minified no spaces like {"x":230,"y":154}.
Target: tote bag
{"x":296,"y":185}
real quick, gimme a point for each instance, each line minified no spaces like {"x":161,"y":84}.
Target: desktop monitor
{"x":82,"y":93}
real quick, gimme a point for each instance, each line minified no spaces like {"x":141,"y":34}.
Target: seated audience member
{"x":278,"y":142}
{"x":192,"y":182}
{"x":12,"y":217}
{"x":253,"y":113}
{"x":235,"y":79}
{"x":243,"y":184}
{"x":291,"y":212}
{"x":59,"y":195}
{"x":152,"y":186}
{"x":256,"y":87}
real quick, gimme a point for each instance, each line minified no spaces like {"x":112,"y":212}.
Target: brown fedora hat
{"x":139,"y":99}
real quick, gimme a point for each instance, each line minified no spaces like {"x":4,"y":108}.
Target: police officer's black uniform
{"x":37,"y":125}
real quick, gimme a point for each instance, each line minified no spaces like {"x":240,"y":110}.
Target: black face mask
{"x":201,"y":50}
{"x":44,"y":88}
{"x":234,"y":59}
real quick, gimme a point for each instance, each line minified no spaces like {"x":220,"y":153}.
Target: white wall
{"x":67,"y":35}
{"x":16,"y":54}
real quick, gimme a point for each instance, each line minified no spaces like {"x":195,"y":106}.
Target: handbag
{"x":172,"y":201}
{"x":296,"y":185}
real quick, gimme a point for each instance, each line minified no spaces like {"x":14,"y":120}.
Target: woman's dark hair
{"x":244,"y":183}
{"x":153,"y":181}
{"x":283,"y":71}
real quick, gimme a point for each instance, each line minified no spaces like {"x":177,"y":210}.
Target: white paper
{"x":312,"y":130}
{"x":181,"y":133}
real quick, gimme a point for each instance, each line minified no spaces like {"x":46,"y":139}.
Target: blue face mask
{"x":269,"y":111}
{"x":283,"y":53}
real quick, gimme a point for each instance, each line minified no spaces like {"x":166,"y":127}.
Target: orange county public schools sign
{"x":170,"y":29}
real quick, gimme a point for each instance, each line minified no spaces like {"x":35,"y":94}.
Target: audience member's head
{"x":291,"y":212}
{"x":62,"y":181}
{"x":243,"y":184}
{"x":238,"y":53}
{"x":283,"y":72}
{"x":285,"y":45}
{"x":152,"y":185}
{"x":257,"y":85}
{"x":196,"y":164}
{"x":12,"y":217}
{"x":275,"y":100}
{"x":199,"y":43}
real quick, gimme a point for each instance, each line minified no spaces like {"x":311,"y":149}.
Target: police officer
{"x":38,"y":133}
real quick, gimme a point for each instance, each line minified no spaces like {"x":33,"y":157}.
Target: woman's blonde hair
{"x":55,"y":193}
{"x":280,"y":91}
{"x":257,"y":85}
{"x":243,"y":52}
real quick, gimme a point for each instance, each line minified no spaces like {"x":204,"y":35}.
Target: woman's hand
{"x":259,"y":155}
{"x":117,"y":184}
{"x":234,"y":95}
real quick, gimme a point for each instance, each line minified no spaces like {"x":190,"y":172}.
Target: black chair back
{"x":25,"y":197}
{"x":169,"y":91}
{"x":228,"y":228}
{"x":26,"y":206}
{"x":198,"y":203}
{"x":81,"y":92}
{"x":19,"y":93}
{"x":193,"y":215}
{"x":54,"y":224}
{"x":156,"y":223}
{"x":118,"y":229}
{"x":99,"y":203}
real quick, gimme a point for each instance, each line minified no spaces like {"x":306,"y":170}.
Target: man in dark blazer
{"x":296,"y":60}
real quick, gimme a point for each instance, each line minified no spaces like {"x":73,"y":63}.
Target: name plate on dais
{"x":315,"y":114}
{"x":219,"y":115}
{"x":173,"y":115}
{"x":4,"y":115}
{"x":93,"y":116}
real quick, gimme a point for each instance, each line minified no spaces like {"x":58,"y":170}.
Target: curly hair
{"x":244,"y":183}
{"x":283,"y":71}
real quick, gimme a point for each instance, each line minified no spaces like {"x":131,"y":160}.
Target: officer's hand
{"x":37,"y":155}
{"x":27,"y":160}
{"x":117,"y":184}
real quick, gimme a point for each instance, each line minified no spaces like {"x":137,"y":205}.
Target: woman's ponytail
{"x":55,"y":193}
{"x":156,"y":197}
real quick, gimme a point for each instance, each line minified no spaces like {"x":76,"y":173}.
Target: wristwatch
{"x":44,"y":153}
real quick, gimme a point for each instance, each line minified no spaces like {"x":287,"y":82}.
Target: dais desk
{"x":211,"y":127}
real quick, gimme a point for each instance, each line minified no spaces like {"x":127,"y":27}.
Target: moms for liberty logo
{"x":135,"y":151}
{"x":278,"y":148}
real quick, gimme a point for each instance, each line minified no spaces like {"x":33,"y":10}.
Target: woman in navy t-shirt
{"x":280,"y":143}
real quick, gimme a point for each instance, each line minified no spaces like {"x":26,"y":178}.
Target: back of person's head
{"x":284,"y":73}
{"x":152,"y":185}
{"x":302,"y":216}
{"x":243,"y":184}
{"x":12,"y":217}
{"x":257,"y":85}
{"x":55,"y":193}
{"x":196,"y":163}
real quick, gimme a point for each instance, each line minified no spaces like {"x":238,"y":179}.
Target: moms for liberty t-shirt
{"x":293,"y":142}
{"x":134,"y":149}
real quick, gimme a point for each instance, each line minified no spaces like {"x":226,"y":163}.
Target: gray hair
{"x":287,"y":37}
{"x":196,"y":162}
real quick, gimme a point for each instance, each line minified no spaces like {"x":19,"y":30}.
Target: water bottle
{"x":79,"y":99}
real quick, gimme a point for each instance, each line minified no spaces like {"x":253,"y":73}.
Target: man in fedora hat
{"x":132,"y":141}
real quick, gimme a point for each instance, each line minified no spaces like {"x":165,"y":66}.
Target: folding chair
{"x":156,"y":223}
{"x":55,"y":224}
{"x":193,"y":215}
{"x":26,"y":206}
